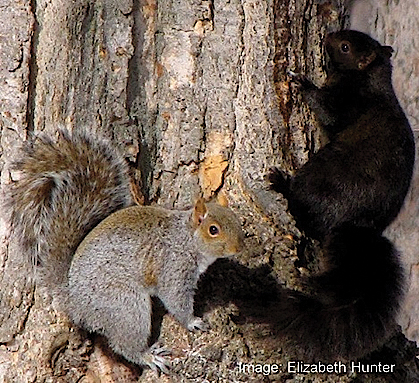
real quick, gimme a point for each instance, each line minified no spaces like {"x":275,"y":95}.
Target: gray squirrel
{"x":71,"y":213}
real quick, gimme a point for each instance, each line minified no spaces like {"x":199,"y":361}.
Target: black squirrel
{"x":104,"y":259}
{"x":345,"y":196}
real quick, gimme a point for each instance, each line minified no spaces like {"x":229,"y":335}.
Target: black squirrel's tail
{"x":66,"y":186}
{"x":354,"y":308}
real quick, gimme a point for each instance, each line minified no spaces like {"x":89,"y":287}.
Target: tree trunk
{"x":196,"y":96}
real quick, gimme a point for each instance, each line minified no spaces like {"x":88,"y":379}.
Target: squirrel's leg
{"x":124,"y":318}
{"x":317,"y":98}
{"x":131,"y":329}
{"x":178,"y":298}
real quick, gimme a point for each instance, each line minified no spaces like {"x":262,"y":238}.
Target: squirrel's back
{"x":66,"y":187}
{"x":363,"y":174}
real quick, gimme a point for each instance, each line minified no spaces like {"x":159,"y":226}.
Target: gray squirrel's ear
{"x":222,"y":199}
{"x":199,"y":212}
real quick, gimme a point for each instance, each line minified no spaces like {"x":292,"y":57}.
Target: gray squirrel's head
{"x":217,"y":228}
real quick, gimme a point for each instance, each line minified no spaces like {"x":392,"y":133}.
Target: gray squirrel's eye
{"x":345,"y":47}
{"x":214,"y":230}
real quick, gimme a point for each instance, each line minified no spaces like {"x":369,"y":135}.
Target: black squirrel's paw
{"x":300,"y":80}
{"x":198,"y":324}
{"x":278,"y":180}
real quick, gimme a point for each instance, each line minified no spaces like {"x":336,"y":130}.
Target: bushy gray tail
{"x":354,"y":309}
{"x":66,"y":187}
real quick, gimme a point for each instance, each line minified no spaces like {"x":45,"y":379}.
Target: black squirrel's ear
{"x":387,"y":51}
{"x":200,"y":212}
{"x":364,"y":61}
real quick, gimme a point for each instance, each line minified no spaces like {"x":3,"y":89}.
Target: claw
{"x":300,"y":80}
{"x":198,"y":324}
{"x":160,"y":364}
{"x":156,"y":350}
{"x":155,"y":361}
{"x":279,"y":181}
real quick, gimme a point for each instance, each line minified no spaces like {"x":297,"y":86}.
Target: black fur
{"x":345,"y":196}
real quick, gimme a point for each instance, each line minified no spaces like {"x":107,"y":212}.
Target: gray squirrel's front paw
{"x":198,"y":324}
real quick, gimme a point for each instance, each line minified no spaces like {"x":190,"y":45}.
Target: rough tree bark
{"x":195,"y":94}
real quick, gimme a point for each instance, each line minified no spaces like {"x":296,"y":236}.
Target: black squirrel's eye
{"x":345,"y":47}
{"x":213,"y":230}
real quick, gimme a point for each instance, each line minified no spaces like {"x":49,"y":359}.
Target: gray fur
{"x":106,"y":260}
{"x":67,"y":187}
{"x":124,"y":311}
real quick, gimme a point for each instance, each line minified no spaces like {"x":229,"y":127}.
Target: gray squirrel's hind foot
{"x":154,"y":359}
